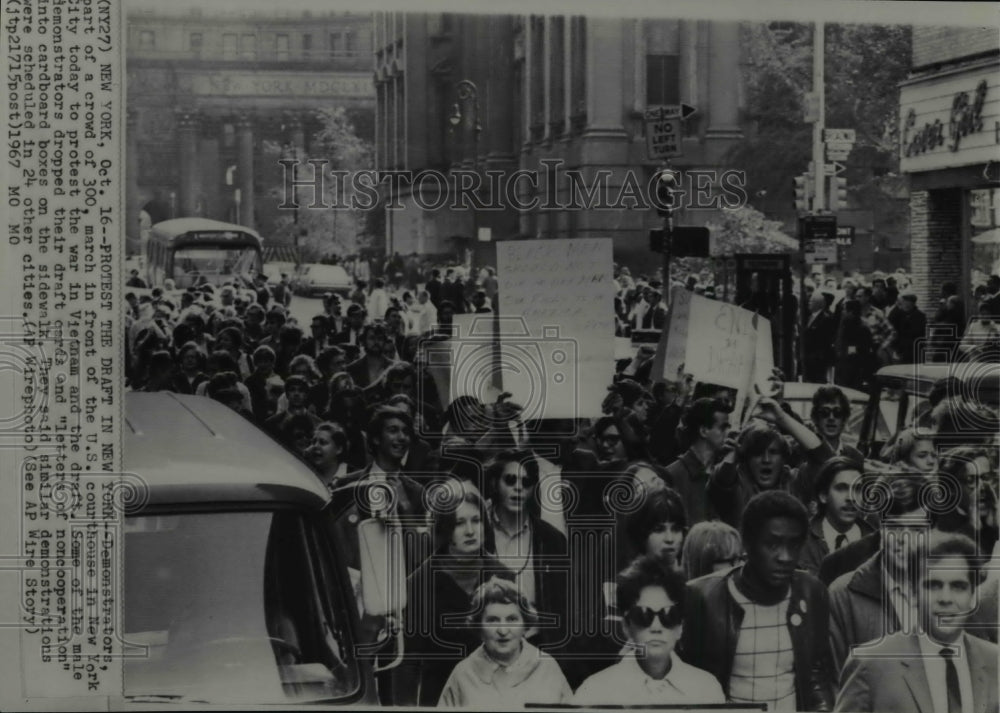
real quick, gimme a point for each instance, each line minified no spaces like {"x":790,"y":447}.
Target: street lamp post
{"x":291,"y":152}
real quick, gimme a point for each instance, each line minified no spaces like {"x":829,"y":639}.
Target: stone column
{"x":244,"y":142}
{"x":210,"y":204}
{"x":725,"y":72}
{"x":605,"y":79}
{"x":132,"y":208}
{"x":190,"y":174}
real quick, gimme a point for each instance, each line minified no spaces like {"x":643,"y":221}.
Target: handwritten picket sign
{"x":716,"y":343}
{"x":562,"y":291}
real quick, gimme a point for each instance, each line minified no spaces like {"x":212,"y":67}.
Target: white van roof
{"x":196,"y":451}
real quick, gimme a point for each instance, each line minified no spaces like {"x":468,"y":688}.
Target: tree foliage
{"x":747,"y":230}
{"x":322,"y":231}
{"x":863,"y":66}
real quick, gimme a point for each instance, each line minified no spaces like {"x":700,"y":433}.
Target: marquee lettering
{"x":965,"y":118}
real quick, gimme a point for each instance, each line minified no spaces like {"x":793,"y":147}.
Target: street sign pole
{"x":819,"y":196}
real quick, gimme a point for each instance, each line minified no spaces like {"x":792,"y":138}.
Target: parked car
{"x":899,"y":396}
{"x":313,"y":278}
{"x":236,"y":590}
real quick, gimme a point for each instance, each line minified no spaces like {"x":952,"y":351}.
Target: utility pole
{"x":819,"y":179}
{"x":819,"y":88}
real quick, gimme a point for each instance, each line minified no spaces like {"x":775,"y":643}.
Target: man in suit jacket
{"x":382,"y":485}
{"x":705,"y":425}
{"x":433,"y":288}
{"x":837,"y":523}
{"x":821,"y":331}
{"x":943,"y":669}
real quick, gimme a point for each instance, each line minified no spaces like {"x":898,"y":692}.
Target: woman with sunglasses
{"x":506,"y":671}
{"x":650,"y":672}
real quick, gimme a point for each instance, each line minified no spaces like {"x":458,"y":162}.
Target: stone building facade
{"x":211,"y":94}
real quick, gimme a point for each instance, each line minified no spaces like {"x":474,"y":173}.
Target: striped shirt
{"x":764,"y":664}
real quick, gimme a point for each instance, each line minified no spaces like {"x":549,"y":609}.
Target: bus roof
{"x":192,"y":450}
{"x":178,"y":227}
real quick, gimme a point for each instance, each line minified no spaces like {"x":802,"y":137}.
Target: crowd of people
{"x":662,"y":553}
{"x":855,"y":324}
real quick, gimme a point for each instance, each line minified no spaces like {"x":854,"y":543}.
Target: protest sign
{"x":557,"y":343}
{"x":722,"y":350}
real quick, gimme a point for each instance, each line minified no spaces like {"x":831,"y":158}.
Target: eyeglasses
{"x":511,"y":480}
{"x":642,"y":617}
{"x":829,"y":413}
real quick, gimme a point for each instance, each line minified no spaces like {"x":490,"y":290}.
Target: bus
{"x":198,"y":251}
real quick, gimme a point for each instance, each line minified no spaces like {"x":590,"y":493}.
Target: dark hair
{"x":658,"y":506}
{"x":947,"y":544}
{"x":262,"y":351}
{"x":645,"y":572}
{"x":296,"y":380}
{"x":829,"y":472}
{"x":189,"y":347}
{"x":399,"y":370}
{"x":325,"y":357}
{"x":376,"y":327}
{"x":322,"y":319}
{"x":299,"y":423}
{"x":767,"y":505}
{"x":825,"y":394}
{"x":756,"y":437}
{"x":234,"y":333}
{"x":495,"y":467}
{"x":160,"y":359}
{"x":276,"y":315}
{"x":852,"y":307}
{"x":223,"y":381}
{"x":379,"y":417}
{"x":603,"y":423}
{"x":289,"y":334}
{"x":223,"y":361}
{"x":699,"y":414}
{"x":497,"y":590}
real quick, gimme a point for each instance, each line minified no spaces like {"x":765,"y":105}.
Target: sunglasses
{"x":642,"y":617}
{"x":511,"y":479}
{"x":829,"y":413}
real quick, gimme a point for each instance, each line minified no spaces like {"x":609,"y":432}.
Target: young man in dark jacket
{"x":762,"y":629}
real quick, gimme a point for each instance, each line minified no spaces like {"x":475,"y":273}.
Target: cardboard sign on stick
{"x":559,"y":363}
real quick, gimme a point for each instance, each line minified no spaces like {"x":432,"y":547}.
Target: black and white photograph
{"x":530,"y":357}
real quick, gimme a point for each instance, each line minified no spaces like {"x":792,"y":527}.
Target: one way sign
{"x":663,"y":129}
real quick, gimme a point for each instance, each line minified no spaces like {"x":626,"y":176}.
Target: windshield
{"x":211,"y":265}
{"x":233,"y":608}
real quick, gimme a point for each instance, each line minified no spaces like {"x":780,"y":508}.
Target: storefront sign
{"x":949,"y":121}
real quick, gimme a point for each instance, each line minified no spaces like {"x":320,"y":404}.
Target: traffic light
{"x":666,"y":184}
{"x":837,"y":193}
{"x":804,"y":192}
